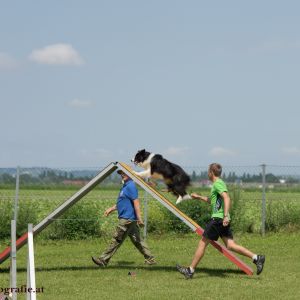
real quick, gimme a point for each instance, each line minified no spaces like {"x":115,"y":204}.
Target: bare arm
{"x":110,"y":210}
{"x":226,"y":199}
{"x":202,"y":198}
{"x":136,"y":204}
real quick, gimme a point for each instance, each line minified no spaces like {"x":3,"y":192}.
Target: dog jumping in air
{"x":157,"y":167}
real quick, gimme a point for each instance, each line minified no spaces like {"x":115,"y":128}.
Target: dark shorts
{"x":215,"y":229}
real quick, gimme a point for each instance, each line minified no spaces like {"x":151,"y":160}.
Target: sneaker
{"x":99,"y":262}
{"x":185,"y":271}
{"x":150,"y":261}
{"x":259,"y":263}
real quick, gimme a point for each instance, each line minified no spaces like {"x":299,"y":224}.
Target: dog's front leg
{"x":143,"y":174}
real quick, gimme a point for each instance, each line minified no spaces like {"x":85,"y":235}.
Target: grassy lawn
{"x":65,"y":271}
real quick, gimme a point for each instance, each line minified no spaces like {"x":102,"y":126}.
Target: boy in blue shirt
{"x":129,"y":214}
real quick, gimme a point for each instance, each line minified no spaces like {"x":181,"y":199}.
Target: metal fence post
{"x":15,"y":217}
{"x":263,"y":208}
{"x":145,"y":213}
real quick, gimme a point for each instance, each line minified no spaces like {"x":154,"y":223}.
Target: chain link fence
{"x":264,"y":198}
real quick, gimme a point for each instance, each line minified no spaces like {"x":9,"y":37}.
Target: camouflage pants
{"x":126,"y":227}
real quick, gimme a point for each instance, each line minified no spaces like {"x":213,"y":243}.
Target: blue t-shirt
{"x":125,"y":206}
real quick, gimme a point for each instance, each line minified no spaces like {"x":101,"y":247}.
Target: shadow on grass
{"x":126,"y":265}
{"x":219,"y":272}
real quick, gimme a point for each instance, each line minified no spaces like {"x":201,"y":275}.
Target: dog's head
{"x":140,"y":157}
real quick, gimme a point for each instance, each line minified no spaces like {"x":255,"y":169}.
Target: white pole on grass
{"x":13,"y":261}
{"x":31,"y":288}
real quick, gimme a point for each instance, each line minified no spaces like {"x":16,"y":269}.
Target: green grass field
{"x":65,"y":271}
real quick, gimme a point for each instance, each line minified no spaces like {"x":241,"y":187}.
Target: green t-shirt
{"x":217,"y":202}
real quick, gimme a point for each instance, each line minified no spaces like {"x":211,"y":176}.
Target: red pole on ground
{"x":19,"y":243}
{"x":228,"y":254}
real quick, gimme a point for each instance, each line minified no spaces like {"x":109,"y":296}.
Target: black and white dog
{"x":158,"y":167}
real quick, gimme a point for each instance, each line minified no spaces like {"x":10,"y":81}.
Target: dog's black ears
{"x":142,"y":151}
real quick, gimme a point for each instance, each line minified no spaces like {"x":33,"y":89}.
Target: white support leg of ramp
{"x":31,"y":288}
{"x":13,"y":261}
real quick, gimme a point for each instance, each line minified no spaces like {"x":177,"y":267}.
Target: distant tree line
{"x":51,"y":177}
{"x":246,"y":177}
{"x":59,"y":177}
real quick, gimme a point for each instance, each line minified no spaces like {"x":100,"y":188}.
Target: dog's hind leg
{"x":186,"y":197}
{"x":179,"y":189}
{"x":170,"y":187}
{"x":179,"y":192}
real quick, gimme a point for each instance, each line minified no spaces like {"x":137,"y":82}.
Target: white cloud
{"x":79,"y":103}
{"x":7,"y":62}
{"x":176,"y":151}
{"x":221,"y":151}
{"x":57,"y":54}
{"x":291,"y":150}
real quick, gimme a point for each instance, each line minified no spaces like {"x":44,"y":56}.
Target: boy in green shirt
{"x":219,"y":224}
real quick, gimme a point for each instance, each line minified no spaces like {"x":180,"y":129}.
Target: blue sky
{"x":84,"y":83}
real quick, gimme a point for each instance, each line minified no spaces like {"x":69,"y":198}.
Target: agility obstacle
{"x":62,"y":208}
{"x":188,"y":221}
{"x":154,"y":193}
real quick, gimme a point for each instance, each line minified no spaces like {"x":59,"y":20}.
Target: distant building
{"x":75,"y":182}
{"x":205,"y":183}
